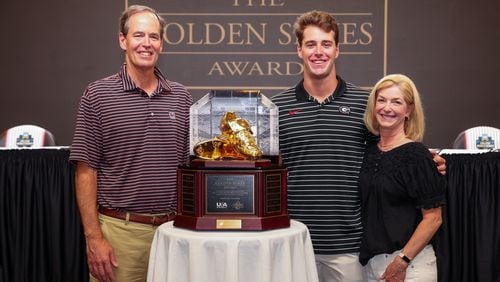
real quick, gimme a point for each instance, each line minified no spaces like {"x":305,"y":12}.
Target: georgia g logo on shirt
{"x":345,"y":110}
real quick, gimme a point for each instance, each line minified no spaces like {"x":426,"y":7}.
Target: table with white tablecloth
{"x":182,"y":255}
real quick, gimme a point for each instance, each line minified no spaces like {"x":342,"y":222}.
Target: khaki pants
{"x":131,"y":244}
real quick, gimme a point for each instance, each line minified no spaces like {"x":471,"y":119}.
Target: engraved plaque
{"x":188,"y":193}
{"x":228,"y":223}
{"x":229,"y":193}
{"x":273,"y":193}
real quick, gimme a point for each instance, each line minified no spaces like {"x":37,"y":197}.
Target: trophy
{"x":234,"y":180}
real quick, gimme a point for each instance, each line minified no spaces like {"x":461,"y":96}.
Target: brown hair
{"x":321,"y":19}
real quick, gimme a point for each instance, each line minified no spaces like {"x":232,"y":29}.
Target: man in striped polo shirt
{"x":322,"y":142}
{"x":131,"y":132}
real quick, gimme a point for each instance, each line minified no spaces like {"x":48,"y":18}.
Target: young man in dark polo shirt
{"x":131,"y":132}
{"x":322,"y":142}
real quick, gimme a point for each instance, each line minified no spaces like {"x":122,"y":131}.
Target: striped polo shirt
{"x":322,"y":145}
{"x":133,"y":141}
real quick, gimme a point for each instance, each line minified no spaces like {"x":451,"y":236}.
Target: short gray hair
{"x":136,"y":9}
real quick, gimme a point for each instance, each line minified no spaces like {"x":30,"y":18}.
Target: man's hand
{"x":101,"y":259}
{"x":100,"y":256}
{"x":440,"y":162}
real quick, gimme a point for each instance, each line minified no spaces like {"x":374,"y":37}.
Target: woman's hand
{"x":395,"y":271}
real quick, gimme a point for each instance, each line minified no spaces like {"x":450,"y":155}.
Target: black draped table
{"x":469,"y":241}
{"x":41,"y":237}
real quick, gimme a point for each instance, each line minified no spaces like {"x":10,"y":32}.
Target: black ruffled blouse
{"x":394,"y":186}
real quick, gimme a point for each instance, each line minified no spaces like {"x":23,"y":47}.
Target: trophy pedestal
{"x":231,"y":195}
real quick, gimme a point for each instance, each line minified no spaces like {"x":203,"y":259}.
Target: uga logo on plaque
{"x":222,"y":205}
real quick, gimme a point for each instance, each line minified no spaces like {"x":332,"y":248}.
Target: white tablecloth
{"x":281,"y":255}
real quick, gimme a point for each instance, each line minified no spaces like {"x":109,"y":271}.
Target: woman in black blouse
{"x":401,"y":190}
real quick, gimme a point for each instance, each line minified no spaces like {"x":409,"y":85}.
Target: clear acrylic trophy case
{"x":251,"y":105}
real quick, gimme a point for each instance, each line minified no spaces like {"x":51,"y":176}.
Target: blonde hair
{"x":415,"y":125}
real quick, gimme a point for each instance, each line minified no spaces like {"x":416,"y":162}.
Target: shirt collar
{"x":129,"y":85}
{"x":301,"y":93}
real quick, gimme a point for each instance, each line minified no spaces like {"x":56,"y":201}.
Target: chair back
{"x":479,"y":137}
{"x":26,"y":136}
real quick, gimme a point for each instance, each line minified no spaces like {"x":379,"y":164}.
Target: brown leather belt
{"x":153,"y":219}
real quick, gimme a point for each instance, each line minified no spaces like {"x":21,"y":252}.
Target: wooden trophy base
{"x":231,"y":195}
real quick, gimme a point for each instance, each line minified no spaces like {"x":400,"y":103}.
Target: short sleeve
{"x":423,"y":181}
{"x":87,"y":139}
